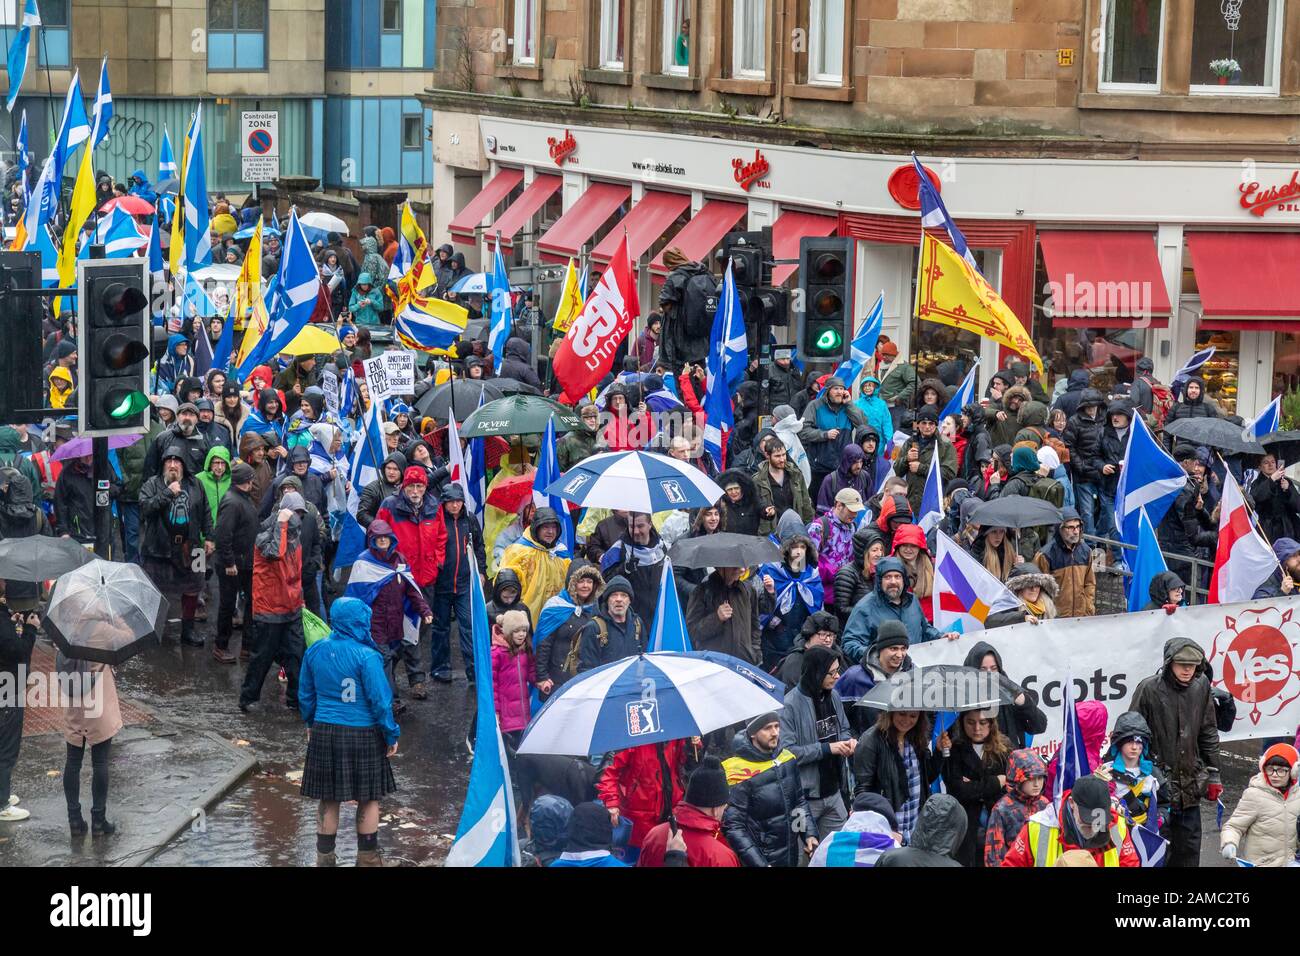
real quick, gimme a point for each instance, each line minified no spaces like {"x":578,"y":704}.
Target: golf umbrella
{"x":724,"y":550}
{"x":519,"y":415}
{"x":471,"y":283}
{"x":1213,"y":433}
{"x":324,"y":222}
{"x":82,"y":445}
{"x":39,"y":558}
{"x":437,"y":401}
{"x":105,"y":611}
{"x":636,"y":481}
{"x":941,"y":687}
{"x":1015,"y":511}
{"x":132,"y":205}
{"x":650,"y":699}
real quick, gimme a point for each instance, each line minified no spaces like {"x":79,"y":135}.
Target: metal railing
{"x":1178,"y":563}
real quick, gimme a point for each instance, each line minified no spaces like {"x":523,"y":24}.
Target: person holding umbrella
{"x":643,"y":784}
{"x":176,"y":535}
{"x":351,"y":734}
{"x":91,"y":718}
{"x":722,"y":615}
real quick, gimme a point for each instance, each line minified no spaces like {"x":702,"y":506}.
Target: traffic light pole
{"x":102,"y":470}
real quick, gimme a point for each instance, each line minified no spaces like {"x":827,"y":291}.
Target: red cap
{"x":415,"y":475}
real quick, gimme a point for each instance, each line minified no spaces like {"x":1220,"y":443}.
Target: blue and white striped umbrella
{"x":473,"y":283}
{"x":636,"y":481}
{"x":650,"y":699}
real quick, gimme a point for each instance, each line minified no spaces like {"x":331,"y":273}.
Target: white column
{"x":886,"y":267}
{"x":762,"y":212}
{"x":1169,"y":348}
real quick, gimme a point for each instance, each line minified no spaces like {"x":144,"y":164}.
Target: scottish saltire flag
{"x":456,"y":465}
{"x":198,"y":244}
{"x":157,"y":264}
{"x":44,"y":244}
{"x":1191,"y":368}
{"x":1149,"y":844}
{"x":964,"y":395}
{"x":476,"y":488}
{"x":1265,"y":423}
{"x":548,"y":471}
{"x":728,"y":356}
{"x":863,"y":346}
{"x":290,"y":301}
{"x":202,"y":353}
{"x":1147,"y":563}
{"x":486,"y":835}
{"x":367,"y":456}
{"x":934,"y":214}
{"x":352,"y":541}
{"x":226,"y":343}
{"x":74,"y":129}
{"x":669,"y":630}
{"x":965,"y":593}
{"x":932,"y":496}
{"x":1072,"y":758}
{"x":194,"y":298}
{"x":1150,"y":479}
{"x":118,"y":234}
{"x":369,"y":575}
{"x":1219,"y":811}
{"x":166,"y":158}
{"x":103,"y":105}
{"x":18,"y":51}
{"x":499,"y":295}
{"x":24,"y":160}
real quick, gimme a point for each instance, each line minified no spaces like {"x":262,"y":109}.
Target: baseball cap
{"x":851,"y":499}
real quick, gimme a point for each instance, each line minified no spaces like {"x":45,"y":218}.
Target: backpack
{"x":699,"y":303}
{"x":1062,"y":450}
{"x":1162,"y":400}
{"x":602,"y":638}
{"x":1048,"y":489}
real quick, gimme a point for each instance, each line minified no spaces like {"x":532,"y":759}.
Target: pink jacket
{"x":1092,"y":721}
{"x":512,"y":676}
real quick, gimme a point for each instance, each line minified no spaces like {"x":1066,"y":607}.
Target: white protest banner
{"x":1253,"y":648}
{"x":377,"y":378}
{"x":390,"y":373}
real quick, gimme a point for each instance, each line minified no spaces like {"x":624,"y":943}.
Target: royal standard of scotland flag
{"x":486,"y":835}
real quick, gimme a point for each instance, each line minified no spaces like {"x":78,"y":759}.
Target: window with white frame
{"x":611,"y":34}
{"x":676,"y":37}
{"x":524,"y":41}
{"x":749,"y":39}
{"x":1236,"y":46}
{"x":826,"y":41}
{"x":1134,"y":39}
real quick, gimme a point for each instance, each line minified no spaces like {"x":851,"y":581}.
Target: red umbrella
{"x":133,"y":205}
{"x":510,"y":493}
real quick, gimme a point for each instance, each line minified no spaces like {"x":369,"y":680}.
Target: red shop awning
{"x":646,"y":222}
{"x":788,"y":229}
{"x":1247,"y":280}
{"x":1105,"y":280}
{"x":572,"y":230}
{"x":699,"y":237}
{"x":480,"y":207}
{"x":523,"y":209}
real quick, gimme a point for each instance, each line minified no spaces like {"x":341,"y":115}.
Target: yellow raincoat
{"x":541,"y":571}
{"x":59,"y":399}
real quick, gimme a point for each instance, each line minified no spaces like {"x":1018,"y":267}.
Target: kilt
{"x":171,"y":579}
{"x":347,"y":763}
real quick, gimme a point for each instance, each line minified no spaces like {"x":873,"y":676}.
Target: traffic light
{"x":744,"y":250}
{"x":22,"y":391}
{"x":825,"y":322}
{"x":112,"y":396}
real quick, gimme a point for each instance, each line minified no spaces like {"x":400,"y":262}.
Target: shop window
{"x":523,"y":42}
{"x":611,"y":35}
{"x":412,"y":132}
{"x":826,"y":41}
{"x":676,"y":37}
{"x":237,"y":35}
{"x":1221,"y":371}
{"x":1286,"y":363}
{"x":1134,"y":38}
{"x":1236,"y":46}
{"x":749,"y":39}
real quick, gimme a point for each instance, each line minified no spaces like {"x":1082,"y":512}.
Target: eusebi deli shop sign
{"x":1259,"y":200}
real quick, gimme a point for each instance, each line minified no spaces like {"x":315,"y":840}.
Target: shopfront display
{"x":1221,"y":372}
{"x":1286,"y":362}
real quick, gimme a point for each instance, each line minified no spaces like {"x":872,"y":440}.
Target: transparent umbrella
{"x":105,"y":611}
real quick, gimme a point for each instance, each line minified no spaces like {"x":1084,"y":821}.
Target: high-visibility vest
{"x":1045,"y":844}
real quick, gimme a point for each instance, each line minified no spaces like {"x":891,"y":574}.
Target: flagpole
{"x":915,"y":332}
{"x":49,"y":86}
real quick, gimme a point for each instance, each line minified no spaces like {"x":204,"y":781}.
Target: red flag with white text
{"x":587,"y":352}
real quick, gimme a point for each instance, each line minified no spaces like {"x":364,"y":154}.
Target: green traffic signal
{"x":829,"y":340}
{"x":133,"y":404}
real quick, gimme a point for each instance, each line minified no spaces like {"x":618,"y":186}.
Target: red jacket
{"x":421,"y":538}
{"x":705,"y":845}
{"x":1022,"y":853}
{"x":634,"y":783}
{"x":277,"y":572}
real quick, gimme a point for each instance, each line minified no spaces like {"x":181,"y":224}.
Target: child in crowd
{"x":1026,"y":773}
{"x":1133,"y":778}
{"x":1262,"y":830}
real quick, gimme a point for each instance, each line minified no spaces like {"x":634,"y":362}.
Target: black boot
{"x":99,"y":826}
{"x":76,"y":823}
{"x":187,"y":634}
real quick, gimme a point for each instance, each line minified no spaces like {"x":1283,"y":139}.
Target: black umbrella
{"x":1285,"y":446}
{"x":437,"y":402}
{"x":519,"y":415}
{"x":942,"y":687}
{"x":105,"y":611}
{"x":724,"y":550}
{"x":1213,"y":433}
{"x":475,"y":330}
{"x":40,"y":558}
{"x":1015,"y":511}
{"x":512,"y":386}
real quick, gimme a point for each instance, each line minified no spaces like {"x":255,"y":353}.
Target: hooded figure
{"x":877,"y":607}
{"x":739,"y":515}
{"x":1084,"y":820}
{"x":851,"y":473}
{"x":1159,"y":590}
{"x":793,"y":589}
{"x":1079,"y":382}
{"x":1010,"y":814}
{"x":175,"y":365}
{"x":20,"y":518}
{"x":215,"y":480}
{"x":854,"y":580}
{"x":1019,"y":720}
{"x":388,"y":483}
{"x":1192,"y":402}
{"x":1093,"y":719}
{"x":175,"y":522}
{"x":874,"y":408}
{"x":366,"y":304}
{"x":562,"y":618}
{"x":979,"y":448}
{"x":516,"y":364}
{"x":894,"y":512}
{"x":501,"y":602}
{"x":541,"y":568}
{"x":268,"y":416}
{"x":936,"y":839}
{"x":1135,"y":785}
